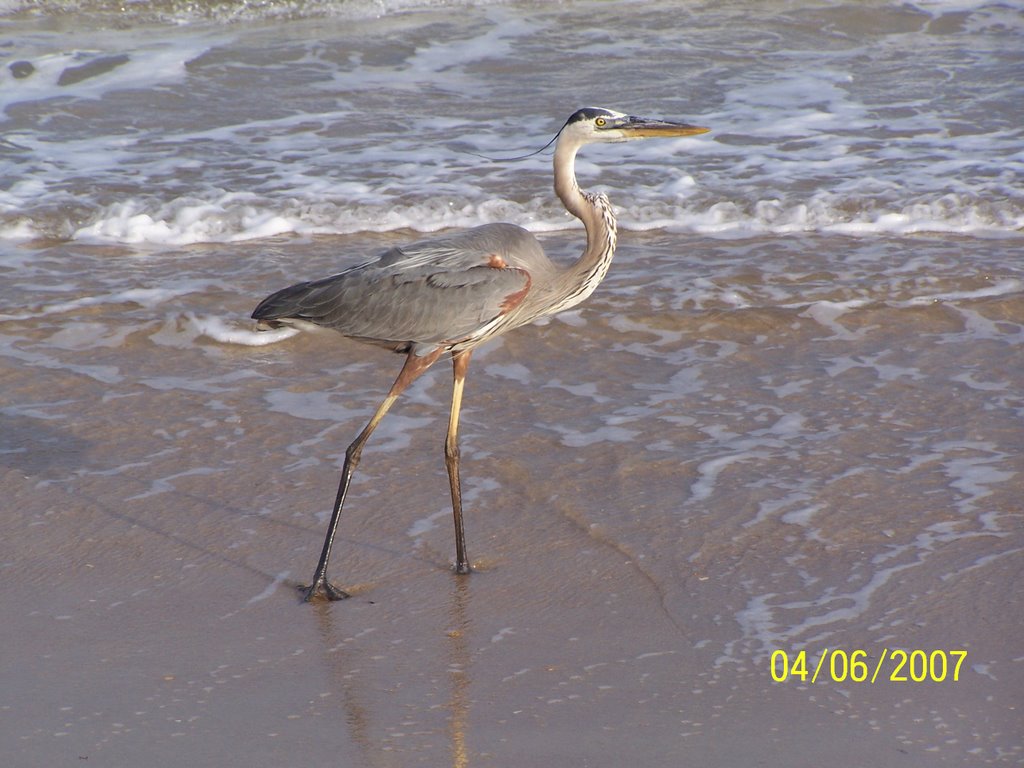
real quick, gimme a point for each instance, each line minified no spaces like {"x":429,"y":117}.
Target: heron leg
{"x":413,"y":368}
{"x":460,"y":364}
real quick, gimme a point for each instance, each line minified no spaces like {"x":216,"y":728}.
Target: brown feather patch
{"x":513,"y":300}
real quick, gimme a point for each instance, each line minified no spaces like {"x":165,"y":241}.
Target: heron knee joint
{"x":352,"y":454}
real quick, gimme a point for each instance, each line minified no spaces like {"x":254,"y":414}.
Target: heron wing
{"x":431,"y":293}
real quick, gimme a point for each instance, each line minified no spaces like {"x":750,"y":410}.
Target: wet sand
{"x":662,"y":488}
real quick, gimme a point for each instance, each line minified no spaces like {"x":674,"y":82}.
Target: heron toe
{"x":322,"y":589}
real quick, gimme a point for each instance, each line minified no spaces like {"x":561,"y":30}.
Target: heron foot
{"x":322,"y":589}
{"x":463,"y":568}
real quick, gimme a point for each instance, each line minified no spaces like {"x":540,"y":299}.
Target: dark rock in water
{"x":21,"y":69}
{"x":93,"y":68}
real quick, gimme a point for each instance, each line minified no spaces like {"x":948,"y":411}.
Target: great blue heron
{"x":452,"y":293}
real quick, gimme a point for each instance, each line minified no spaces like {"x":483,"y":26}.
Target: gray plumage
{"x":434,"y":293}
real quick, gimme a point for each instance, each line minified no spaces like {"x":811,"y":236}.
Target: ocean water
{"x":791,"y":417}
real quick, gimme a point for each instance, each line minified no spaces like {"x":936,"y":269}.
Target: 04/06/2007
{"x":916,"y":666}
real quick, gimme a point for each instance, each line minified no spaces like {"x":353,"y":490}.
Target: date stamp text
{"x":893,"y":665}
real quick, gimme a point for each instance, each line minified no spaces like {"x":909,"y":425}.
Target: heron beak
{"x":642,"y":128}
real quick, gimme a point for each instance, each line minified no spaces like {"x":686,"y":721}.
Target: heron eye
{"x":600,"y":122}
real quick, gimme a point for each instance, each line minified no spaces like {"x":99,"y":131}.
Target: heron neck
{"x":583,"y":276}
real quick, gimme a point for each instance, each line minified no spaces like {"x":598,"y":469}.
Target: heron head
{"x":595,"y":124}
